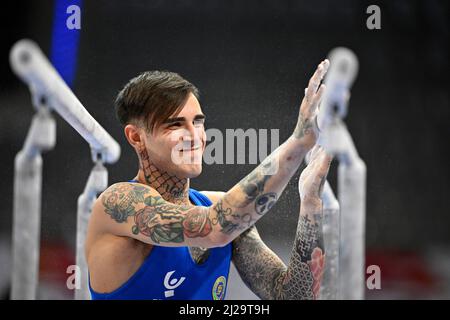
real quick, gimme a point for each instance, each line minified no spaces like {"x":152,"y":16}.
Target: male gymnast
{"x":154,"y":237}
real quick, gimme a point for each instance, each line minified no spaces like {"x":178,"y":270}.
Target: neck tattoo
{"x":171,"y":188}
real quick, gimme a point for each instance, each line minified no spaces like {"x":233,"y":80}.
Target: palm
{"x":307,"y":130}
{"x":314,"y":175}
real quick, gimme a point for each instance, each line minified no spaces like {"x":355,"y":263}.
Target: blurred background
{"x":251,"y":61}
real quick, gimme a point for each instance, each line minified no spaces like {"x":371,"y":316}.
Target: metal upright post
{"x":97,"y":182}
{"x":49,"y":92}
{"x":331,"y":234}
{"x":336,"y":139}
{"x":27,"y":205}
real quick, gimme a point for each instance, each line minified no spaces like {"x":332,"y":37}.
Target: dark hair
{"x":152,"y":97}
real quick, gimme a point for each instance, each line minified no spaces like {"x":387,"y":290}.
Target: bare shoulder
{"x":119,"y":199}
{"x":118,"y":202}
{"x":104,"y":247}
{"x":137,"y":211}
{"x":214,"y":196}
{"x":121,"y":190}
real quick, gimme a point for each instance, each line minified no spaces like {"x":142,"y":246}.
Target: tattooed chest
{"x":199,"y":255}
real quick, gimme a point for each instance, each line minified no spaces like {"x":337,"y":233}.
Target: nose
{"x":190,"y":134}
{"x":192,"y":131}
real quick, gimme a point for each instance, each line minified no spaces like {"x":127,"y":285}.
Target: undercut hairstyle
{"x":152,"y":97}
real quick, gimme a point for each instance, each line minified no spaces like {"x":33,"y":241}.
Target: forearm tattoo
{"x":159,"y":220}
{"x":268,"y":277}
{"x":240,"y":208}
{"x":258,"y":266}
{"x":232,"y":213}
{"x":304,"y":274}
{"x":304,"y":127}
{"x":230,"y":221}
{"x":253,"y":184}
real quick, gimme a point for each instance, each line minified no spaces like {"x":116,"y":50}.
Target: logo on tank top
{"x":171,"y":284}
{"x":218,"y":290}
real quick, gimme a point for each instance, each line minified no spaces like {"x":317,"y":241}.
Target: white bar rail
{"x":336,"y":140}
{"x":49,"y":92}
{"x":31,"y":65}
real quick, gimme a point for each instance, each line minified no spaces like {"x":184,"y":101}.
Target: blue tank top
{"x":169,"y":273}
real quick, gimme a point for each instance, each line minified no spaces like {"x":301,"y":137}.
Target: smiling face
{"x":164,"y":123}
{"x":177,"y":145}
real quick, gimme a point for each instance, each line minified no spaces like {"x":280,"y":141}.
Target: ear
{"x":134,"y":136}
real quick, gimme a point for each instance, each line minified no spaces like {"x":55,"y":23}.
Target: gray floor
{"x":437,"y":263}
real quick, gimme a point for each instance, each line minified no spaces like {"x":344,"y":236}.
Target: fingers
{"x":318,"y":97}
{"x":313,"y":178}
{"x":315,"y":80}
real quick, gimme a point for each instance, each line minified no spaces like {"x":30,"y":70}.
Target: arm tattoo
{"x":259,"y":267}
{"x":304,"y":274}
{"x":268,"y":277}
{"x":159,"y":220}
{"x":119,"y":200}
{"x":253,"y":185}
{"x":265,"y":202}
{"x":227,"y":226}
{"x":304,"y":127}
{"x":229,"y":221}
{"x":257,"y":193}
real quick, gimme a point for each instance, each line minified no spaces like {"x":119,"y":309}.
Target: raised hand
{"x":307,"y":130}
{"x":313,"y":177}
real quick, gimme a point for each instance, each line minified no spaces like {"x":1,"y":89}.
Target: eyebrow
{"x":181,"y":119}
